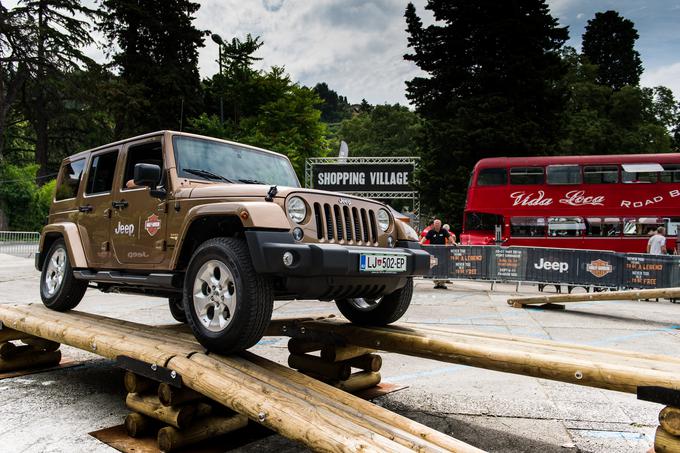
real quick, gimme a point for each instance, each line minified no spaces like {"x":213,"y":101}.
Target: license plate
{"x":382,"y":262}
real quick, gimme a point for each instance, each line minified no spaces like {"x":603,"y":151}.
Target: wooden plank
{"x":665,"y":442}
{"x":669,"y":418}
{"x":663,"y":293}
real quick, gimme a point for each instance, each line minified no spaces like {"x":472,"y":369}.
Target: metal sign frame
{"x":414,"y":196}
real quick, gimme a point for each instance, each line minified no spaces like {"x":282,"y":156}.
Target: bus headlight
{"x":297,"y":209}
{"x":383,"y":219}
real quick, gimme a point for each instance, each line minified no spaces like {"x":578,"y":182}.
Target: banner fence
{"x":555,"y":266}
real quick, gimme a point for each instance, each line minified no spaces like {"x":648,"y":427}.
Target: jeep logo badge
{"x":544,"y":264}
{"x":345,"y":201}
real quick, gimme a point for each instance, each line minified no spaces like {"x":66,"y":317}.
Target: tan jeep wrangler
{"x":222,"y":230}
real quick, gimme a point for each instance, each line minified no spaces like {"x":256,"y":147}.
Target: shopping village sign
{"x":363,"y":175}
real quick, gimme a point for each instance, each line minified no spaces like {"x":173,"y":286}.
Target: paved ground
{"x":499,"y":412}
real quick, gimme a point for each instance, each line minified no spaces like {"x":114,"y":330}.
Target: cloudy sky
{"x":356,"y":46}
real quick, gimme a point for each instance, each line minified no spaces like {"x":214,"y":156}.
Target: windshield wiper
{"x":207,"y":174}
{"x":251,"y":181}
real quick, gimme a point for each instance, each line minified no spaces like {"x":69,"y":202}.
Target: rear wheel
{"x":177,"y":309}
{"x":227,"y":304}
{"x":377,"y":312}
{"x":59,"y":289}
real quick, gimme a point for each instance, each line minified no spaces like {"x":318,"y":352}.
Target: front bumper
{"x":317,"y":260}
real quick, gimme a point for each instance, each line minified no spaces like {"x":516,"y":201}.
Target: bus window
{"x":601,"y":174}
{"x":564,"y":174}
{"x":644,"y":226}
{"x":478,"y":221}
{"x":670,"y":173}
{"x":527,"y":226}
{"x":527,"y":175}
{"x":492,"y":177}
{"x":607,"y":227}
{"x":565,"y":226}
{"x":640,"y":173}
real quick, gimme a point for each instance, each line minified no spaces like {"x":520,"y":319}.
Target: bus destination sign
{"x":370,"y":177}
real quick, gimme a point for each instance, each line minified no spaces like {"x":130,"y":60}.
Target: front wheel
{"x":227,"y":304}
{"x":59,"y":289}
{"x":377,"y":312}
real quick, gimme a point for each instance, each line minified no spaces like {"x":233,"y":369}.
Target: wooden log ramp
{"x":321,"y":416}
{"x":642,"y":294}
{"x":21,"y":351}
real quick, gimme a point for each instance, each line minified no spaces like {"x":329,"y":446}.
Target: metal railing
{"x":19,"y":243}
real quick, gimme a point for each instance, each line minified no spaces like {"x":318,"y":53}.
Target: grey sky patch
{"x":272,"y":5}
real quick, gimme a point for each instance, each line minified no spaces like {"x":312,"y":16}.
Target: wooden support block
{"x":170,"y":439}
{"x":359,"y":381}
{"x":300,"y":347}
{"x":172,"y":396}
{"x":135,"y":383}
{"x":334,"y":353}
{"x":517,"y":305}
{"x":7,"y":350}
{"x":368,"y":362}
{"x":332,"y":370}
{"x":149,"y":405}
{"x":7,"y":334}
{"x":30,"y":360}
{"x":670,"y":420}
{"x":138,"y":425}
{"x":665,"y":442}
{"x":40,"y":344}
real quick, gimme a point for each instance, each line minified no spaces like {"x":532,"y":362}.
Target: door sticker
{"x":152,"y":224}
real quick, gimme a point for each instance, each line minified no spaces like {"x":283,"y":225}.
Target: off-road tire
{"x":254,"y":297}
{"x":387,"y":310}
{"x":177,"y":309}
{"x":71,"y":291}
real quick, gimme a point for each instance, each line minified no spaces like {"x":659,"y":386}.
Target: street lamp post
{"x":218,"y":40}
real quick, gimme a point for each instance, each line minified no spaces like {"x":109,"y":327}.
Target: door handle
{"x":85,"y":208}
{"x":119,"y":204}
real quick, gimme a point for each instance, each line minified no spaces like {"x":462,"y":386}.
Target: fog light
{"x":298,"y":234}
{"x":288,"y":259}
{"x":390,"y":241}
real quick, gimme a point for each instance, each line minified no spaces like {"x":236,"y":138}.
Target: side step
{"x":157,"y":280}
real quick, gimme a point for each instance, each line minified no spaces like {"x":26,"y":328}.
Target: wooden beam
{"x":177,"y":416}
{"x":359,"y":381}
{"x":172,"y":396}
{"x":331,"y":370}
{"x":333,"y":353}
{"x":138,"y":425}
{"x":368,"y":362}
{"x":670,"y":420}
{"x":665,"y":442}
{"x":135,"y":383}
{"x":664,"y":293}
{"x":170,"y":439}
{"x":29,"y":359}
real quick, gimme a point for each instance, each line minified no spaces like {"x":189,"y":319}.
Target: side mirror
{"x":149,"y":175}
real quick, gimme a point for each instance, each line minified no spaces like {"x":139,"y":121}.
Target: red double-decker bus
{"x":583,"y":202}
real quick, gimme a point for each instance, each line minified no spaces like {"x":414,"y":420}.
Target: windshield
{"x":200,"y":158}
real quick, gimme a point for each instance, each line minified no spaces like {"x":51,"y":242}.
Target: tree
{"x":492,"y":88}
{"x":335,"y":108}
{"x":157,"y":60}
{"x":386,"y":130}
{"x":609,"y":42}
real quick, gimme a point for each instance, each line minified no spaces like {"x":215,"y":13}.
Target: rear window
{"x":601,"y":174}
{"x":527,"y":175}
{"x":492,"y":177}
{"x":70,"y":179}
{"x":670,"y":173}
{"x":564,"y":174}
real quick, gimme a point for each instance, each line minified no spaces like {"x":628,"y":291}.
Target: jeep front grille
{"x":345,"y":225}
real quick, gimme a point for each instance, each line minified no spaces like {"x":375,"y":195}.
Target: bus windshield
{"x":213,"y":160}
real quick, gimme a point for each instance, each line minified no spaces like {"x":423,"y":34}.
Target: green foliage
{"x":334,"y":108}
{"x":383,"y":130}
{"x":609,"y":43}
{"x":26,"y":204}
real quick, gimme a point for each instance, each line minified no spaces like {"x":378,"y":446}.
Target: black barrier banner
{"x":507,"y":263}
{"x":440,"y":254}
{"x":363,"y":177}
{"x":647,"y":271}
{"x":551,"y":266}
{"x":598,"y":268}
{"x":468,"y":262}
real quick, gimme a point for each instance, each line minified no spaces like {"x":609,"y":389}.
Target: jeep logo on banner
{"x":371,"y":177}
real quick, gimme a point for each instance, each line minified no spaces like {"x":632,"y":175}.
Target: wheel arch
{"x":67,"y":231}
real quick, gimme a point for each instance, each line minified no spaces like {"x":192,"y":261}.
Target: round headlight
{"x":297,"y":209}
{"x":383,"y":219}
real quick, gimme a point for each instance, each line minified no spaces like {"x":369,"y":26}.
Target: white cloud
{"x":668,"y":76}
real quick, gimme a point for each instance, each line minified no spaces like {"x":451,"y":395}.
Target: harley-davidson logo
{"x":152,"y":224}
{"x":345,"y":201}
{"x":599,"y":268}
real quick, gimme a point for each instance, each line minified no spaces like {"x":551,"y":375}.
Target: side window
{"x":527,"y":226}
{"x":492,"y":177}
{"x":149,"y":153}
{"x":564,"y":174}
{"x":603,"y":227}
{"x":102,"y":169}
{"x":565,"y":226}
{"x":601,"y":174}
{"x":527,"y":175}
{"x":70,"y":179}
{"x":644,"y":226}
{"x":671,"y":173}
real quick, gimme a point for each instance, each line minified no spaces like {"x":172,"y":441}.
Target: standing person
{"x":437,"y":236}
{"x":424,"y":233}
{"x":452,"y":235}
{"x":657,"y":243}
